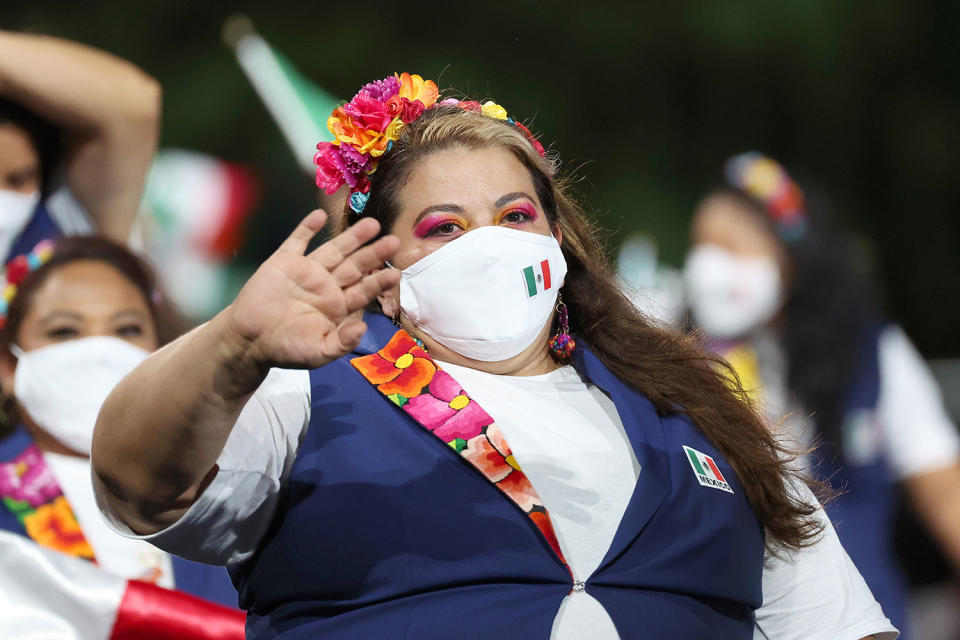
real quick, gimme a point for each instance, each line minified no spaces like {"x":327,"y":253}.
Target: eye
{"x":62,"y":333}
{"x":130,"y":331}
{"x":516,"y":216}
{"x":444,"y":229}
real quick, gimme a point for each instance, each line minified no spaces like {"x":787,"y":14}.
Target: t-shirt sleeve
{"x":917,"y":431}
{"x":228,"y":520}
{"x":816,"y":593}
{"x":67,"y":213}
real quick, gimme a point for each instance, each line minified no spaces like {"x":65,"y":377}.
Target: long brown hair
{"x":670,"y":370}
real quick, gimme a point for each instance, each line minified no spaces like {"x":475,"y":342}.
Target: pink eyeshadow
{"x":426,"y":225}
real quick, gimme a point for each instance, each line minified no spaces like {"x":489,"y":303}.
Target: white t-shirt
{"x":570,"y":442}
{"x":120,"y":555}
{"x":911,"y":426}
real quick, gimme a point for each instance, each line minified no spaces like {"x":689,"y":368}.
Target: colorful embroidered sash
{"x":30,"y":491}
{"x":407,"y":376}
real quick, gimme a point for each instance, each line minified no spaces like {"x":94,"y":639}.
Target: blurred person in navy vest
{"x":78,"y":129}
{"x":779,"y":292}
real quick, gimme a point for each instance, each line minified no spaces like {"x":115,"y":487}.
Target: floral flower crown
{"x":18,"y":269}
{"x":366,"y":127}
{"x":769,"y":183}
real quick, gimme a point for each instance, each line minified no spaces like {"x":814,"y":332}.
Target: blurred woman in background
{"x":78,"y":129}
{"x":781,"y":296}
{"x":77,"y":316}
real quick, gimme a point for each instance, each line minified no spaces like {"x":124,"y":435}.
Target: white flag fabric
{"x":45,"y":594}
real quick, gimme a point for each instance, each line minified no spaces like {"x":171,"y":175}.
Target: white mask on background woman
{"x":486,"y":295}
{"x":731,"y":295}
{"x":62,"y":386}
{"x":16,"y":209}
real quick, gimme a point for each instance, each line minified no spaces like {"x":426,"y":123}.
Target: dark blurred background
{"x":644,"y":101}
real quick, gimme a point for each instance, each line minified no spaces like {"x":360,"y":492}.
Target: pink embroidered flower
{"x":329,"y":176}
{"x":447,"y":411}
{"x":368,"y":113}
{"x":27,"y":479}
{"x":382,"y":90}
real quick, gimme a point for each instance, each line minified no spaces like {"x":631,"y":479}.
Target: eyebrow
{"x":455,"y":208}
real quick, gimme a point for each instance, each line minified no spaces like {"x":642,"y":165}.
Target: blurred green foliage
{"x":644,"y":100}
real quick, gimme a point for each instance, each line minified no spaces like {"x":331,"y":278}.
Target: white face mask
{"x":486,"y":295}
{"x":731,"y":295}
{"x":16,"y":209}
{"x":62,"y":386}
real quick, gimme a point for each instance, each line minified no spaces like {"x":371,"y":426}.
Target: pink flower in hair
{"x":329,"y":167}
{"x":353,"y":164}
{"x":382,"y":90}
{"x":368,"y":113}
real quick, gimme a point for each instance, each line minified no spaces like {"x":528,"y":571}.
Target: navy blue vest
{"x":864,"y":511}
{"x":384,"y":531}
{"x":40,"y":227}
{"x":202,"y":580}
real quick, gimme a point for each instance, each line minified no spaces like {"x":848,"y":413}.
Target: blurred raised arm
{"x":109,"y":109}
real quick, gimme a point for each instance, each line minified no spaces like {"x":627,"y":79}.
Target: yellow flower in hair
{"x":492,"y":110}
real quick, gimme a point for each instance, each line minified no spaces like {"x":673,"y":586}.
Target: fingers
{"x":334,"y":251}
{"x":365,"y":260}
{"x":344,"y":338}
{"x":363,"y":292}
{"x":297,"y":241}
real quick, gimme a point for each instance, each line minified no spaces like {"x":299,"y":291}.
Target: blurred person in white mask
{"x":779,"y":294}
{"x":78,"y":128}
{"x":77,"y":315}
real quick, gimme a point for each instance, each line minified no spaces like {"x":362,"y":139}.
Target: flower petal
{"x":429,"y":411}
{"x":399,"y":344}
{"x":412,"y":380}
{"x":444,"y":387}
{"x":376,"y":369}
{"x":518,"y":487}
{"x":481,"y":454}
{"x":466,"y":424}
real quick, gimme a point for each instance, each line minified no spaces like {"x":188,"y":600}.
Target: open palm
{"x":299,"y":310}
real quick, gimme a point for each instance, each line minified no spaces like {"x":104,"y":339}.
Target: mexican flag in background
{"x":299,"y":107}
{"x":193,"y":215}
{"x":48,"y":594}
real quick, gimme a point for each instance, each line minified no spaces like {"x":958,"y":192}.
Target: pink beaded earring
{"x":562,"y":343}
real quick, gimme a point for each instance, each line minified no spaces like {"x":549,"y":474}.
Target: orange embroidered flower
{"x":402,"y":367}
{"x":53,"y":525}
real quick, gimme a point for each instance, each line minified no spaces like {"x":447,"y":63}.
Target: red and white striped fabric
{"x":54,"y":596}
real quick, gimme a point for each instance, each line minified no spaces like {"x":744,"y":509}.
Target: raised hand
{"x":301,"y":311}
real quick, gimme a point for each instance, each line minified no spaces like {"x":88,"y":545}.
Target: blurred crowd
{"x":113,"y":247}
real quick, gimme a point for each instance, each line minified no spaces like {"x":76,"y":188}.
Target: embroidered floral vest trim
{"x":404,"y":373}
{"x":30,"y":491}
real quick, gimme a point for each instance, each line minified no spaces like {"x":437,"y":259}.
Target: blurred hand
{"x":299,"y":311}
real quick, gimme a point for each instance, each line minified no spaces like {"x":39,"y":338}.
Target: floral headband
{"x":366,"y":127}
{"x":765,"y":180}
{"x":18,"y":269}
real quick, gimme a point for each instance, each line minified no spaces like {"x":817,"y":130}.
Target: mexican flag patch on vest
{"x":706,"y":470}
